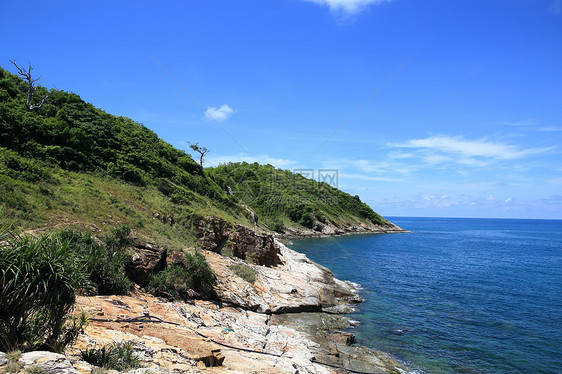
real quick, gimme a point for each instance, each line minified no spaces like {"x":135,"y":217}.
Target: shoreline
{"x":292,"y":318}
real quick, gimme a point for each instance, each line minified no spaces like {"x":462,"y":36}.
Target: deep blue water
{"x":456,"y":295}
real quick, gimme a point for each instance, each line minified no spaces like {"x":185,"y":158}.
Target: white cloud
{"x":467,"y":150}
{"x":347,"y":7}
{"x":219,"y":114}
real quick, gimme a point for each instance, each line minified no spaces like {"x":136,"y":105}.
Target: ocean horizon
{"x":456,"y":295}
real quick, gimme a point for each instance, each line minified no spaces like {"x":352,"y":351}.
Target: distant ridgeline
{"x":71,"y":162}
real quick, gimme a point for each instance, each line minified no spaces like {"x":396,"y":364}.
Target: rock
{"x":147,"y":259}
{"x":295,"y":285}
{"x":216,"y":358}
{"x":212,"y":232}
{"x":215,"y":234}
{"x":3,"y":359}
{"x":251,"y":246}
{"x":341,"y":337}
{"x":48,"y":362}
{"x":175,"y":257}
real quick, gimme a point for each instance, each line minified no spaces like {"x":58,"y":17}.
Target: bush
{"x":174,"y":282}
{"x":277,"y":226}
{"x":116,"y":356}
{"x":103,"y":263}
{"x":38,"y":279}
{"x":245,"y":272}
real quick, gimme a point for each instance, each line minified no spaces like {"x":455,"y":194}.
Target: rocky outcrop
{"x":297,"y":284}
{"x":38,"y":362}
{"x":331,"y":229}
{"x":147,"y":259}
{"x":219,"y":236}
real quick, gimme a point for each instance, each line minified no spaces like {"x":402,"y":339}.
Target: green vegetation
{"x":68,"y":164}
{"x":68,"y":161}
{"x":116,"y":356}
{"x":43,"y":152}
{"x":176,"y":281}
{"x":38,"y":281}
{"x":245,"y":272}
{"x":282,"y":198}
{"x":103,"y":263}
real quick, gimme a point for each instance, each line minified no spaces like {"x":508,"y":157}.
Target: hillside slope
{"x":288,"y":202}
{"x":71,"y":163}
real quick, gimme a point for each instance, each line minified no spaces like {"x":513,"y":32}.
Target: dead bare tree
{"x":26,"y":74}
{"x":201,"y":150}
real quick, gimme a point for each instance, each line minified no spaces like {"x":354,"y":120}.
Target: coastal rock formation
{"x":147,"y":259}
{"x":332,"y":229}
{"x":217,"y":235}
{"x":295,"y":285}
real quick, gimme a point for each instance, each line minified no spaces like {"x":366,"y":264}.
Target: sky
{"x":431,"y":108}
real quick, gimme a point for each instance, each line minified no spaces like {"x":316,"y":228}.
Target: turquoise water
{"x":456,"y":295}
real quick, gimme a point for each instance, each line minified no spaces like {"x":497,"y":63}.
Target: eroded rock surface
{"x":219,"y":236}
{"x":297,"y":284}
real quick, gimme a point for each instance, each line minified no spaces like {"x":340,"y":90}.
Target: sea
{"x":456,"y":295}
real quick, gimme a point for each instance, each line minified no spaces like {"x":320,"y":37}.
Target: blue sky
{"x":426,"y":108}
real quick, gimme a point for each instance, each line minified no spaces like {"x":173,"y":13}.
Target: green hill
{"x":70,"y":163}
{"x":285,"y":199}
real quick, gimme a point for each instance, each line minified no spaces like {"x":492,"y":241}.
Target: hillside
{"x":110,"y":236}
{"x":286,"y":201}
{"x":71,"y":163}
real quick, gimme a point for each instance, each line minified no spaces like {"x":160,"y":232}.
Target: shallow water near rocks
{"x":456,"y":295}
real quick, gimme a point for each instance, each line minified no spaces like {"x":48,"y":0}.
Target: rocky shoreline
{"x":289,"y":319}
{"x":328,"y":230}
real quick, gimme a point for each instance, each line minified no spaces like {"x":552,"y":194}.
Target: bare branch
{"x":26,"y":74}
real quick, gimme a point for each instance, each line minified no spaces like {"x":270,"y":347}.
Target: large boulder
{"x":147,"y":259}
{"x":217,"y":235}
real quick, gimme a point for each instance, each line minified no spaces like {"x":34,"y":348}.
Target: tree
{"x":201,"y":150}
{"x":26,"y":74}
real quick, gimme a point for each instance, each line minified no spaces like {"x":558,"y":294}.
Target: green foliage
{"x":279,"y":195}
{"x":38,"y":279}
{"x":116,"y":356}
{"x":245,"y":272}
{"x":102,"y":262}
{"x":119,"y":238}
{"x":174,"y":282}
{"x":44,"y":150}
{"x":75,"y":135}
{"x":277,"y":226}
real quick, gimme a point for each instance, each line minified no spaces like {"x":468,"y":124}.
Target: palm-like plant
{"x":38,"y":279}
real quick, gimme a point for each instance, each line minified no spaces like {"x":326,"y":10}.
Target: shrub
{"x":174,"y":282}
{"x":38,"y":279}
{"x":245,"y":272}
{"x":277,"y":226}
{"x":116,"y":356}
{"x":119,"y":238}
{"x":103,"y":263}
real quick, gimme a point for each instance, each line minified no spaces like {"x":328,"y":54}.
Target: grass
{"x":116,"y":356}
{"x":245,"y":272}
{"x":93,"y":201}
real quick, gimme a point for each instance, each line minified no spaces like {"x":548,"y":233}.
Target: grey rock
{"x":48,"y":362}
